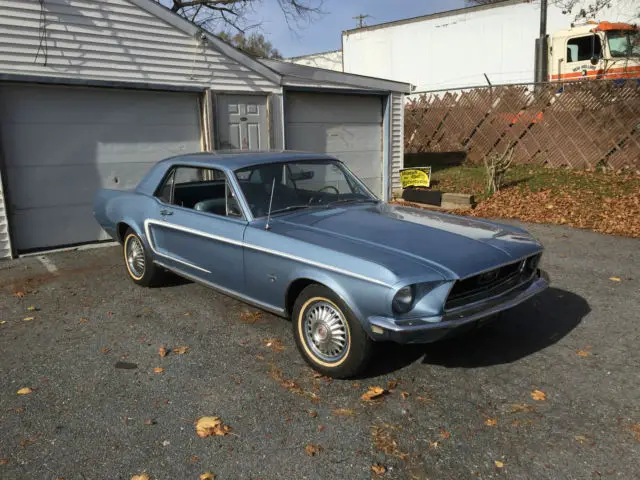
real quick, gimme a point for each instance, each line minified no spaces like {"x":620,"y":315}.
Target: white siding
{"x":112,"y":40}
{"x":5,"y":242}
{"x":455,"y":49}
{"x":326,"y":60}
{"x":397,"y":139}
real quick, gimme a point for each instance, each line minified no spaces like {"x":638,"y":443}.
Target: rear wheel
{"x":138,"y":261}
{"x":328,"y":335}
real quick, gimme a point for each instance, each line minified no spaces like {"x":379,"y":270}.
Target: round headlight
{"x":403,"y":300}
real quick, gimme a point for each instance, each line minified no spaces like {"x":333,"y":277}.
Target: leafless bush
{"x":496,"y":166}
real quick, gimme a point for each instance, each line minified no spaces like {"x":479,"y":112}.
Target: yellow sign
{"x":415,"y":177}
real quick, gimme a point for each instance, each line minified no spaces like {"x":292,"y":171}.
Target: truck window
{"x":581,"y":49}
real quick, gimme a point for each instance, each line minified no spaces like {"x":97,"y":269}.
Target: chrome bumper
{"x":427,"y":330}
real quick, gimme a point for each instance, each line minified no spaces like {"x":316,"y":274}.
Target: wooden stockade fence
{"x":579,"y":124}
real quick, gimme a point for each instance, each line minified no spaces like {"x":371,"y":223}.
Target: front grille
{"x":491,"y":283}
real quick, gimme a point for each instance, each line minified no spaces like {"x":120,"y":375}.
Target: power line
{"x":360,"y":18}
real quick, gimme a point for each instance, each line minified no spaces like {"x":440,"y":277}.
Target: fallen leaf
{"x":162,"y":351}
{"x":149,"y":421}
{"x":28,"y":319}
{"x":19,"y":294}
{"x":158,"y":370}
{"x":355,"y":384}
{"x":404,"y":395}
{"x":372,"y":393}
{"x":4,"y":461}
{"x":141,"y":476}
{"x":433,"y":444}
{"x":384,"y":441}
{"x":274,"y":344}
{"x":615,"y":279}
{"x":206,"y":426}
{"x":259,"y":357}
{"x":105,"y":350}
{"x":635,"y":428}
{"x":313,"y":414}
{"x":207,"y":476}
{"x":498,"y":464}
{"x":186,"y":314}
{"x":84,"y":320}
{"x":343,"y":412}
{"x":33,"y":308}
{"x":539,"y":395}
{"x":522,"y":407}
{"x":392,"y":384}
{"x":378,"y":469}
{"x":193,"y":459}
{"x":491,"y":422}
{"x":180,"y":350}
{"x":250,"y":317}
{"x":582,"y":353}
{"x":18,"y":410}
{"x":580,"y":438}
{"x":312,"y":450}
{"x":24,"y":391}
{"x":445,"y":433}
{"x":2,"y":322}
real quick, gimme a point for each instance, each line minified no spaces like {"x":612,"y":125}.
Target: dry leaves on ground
{"x":582,"y":353}
{"x":373,"y":393}
{"x":635,"y":428}
{"x":522,"y":407}
{"x":33,"y":308}
{"x":491,"y":422}
{"x":290,"y":385}
{"x":539,"y":395}
{"x":207,"y":476}
{"x":141,"y":476}
{"x":378,"y":469}
{"x":312,"y":450}
{"x":615,"y":279}
{"x":4,"y":461}
{"x":580,"y":438}
{"x":274,"y":344}
{"x":404,"y":395}
{"x":444,"y":433}
{"x":149,"y":421}
{"x":105,"y":350}
{"x":384,"y":441}
{"x":343,"y":412}
{"x":19,"y":294}
{"x":84,"y":320}
{"x":498,"y":464}
{"x":163,"y":351}
{"x":28,"y":319}
{"x":391,"y":385}
{"x":158,"y":370}
{"x":180,"y":350}
{"x":206,"y":426}
{"x":24,"y":391}
{"x":250,"y":317}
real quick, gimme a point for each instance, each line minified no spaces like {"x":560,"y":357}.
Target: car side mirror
{"x":594,"y":60}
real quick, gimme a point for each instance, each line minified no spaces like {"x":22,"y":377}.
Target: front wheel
{"x":138,"y":261}
{"x":328,"y":335}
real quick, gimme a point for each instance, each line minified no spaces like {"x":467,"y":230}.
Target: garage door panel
{"x":62,"y":227}
{"x":344,"y":108}
{"x":328,"y":137}
{"x":61,"y":144}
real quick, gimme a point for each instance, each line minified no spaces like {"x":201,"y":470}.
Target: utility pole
{"x":542,"y":49}
{"x":360,"y":18}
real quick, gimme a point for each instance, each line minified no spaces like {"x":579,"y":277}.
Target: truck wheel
{"x":329,"y":337}
{"x":138,"y":261}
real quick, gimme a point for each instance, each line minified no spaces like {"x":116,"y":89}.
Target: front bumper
{"x":427,"y":330}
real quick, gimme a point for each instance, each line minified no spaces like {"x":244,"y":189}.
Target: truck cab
{"x":595,"y":51}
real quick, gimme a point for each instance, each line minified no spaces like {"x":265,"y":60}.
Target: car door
{"x":198,"y":228}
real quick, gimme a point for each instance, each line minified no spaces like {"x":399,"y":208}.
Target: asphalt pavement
{"x":552,"y":390}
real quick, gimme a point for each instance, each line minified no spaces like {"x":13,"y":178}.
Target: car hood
{"x":454,"y":246}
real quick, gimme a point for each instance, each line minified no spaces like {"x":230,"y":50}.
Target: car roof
{"x":236,"y":159}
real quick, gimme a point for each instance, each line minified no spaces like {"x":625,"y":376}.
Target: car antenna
{"x":273,"y":186}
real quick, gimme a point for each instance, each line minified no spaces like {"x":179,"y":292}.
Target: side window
{"x":200,"y":189}
{"x":581,"y":49}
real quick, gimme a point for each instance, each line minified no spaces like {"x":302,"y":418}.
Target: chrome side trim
{"x":147,"y":232}
{"x":252,"y":247}
{"x":226,"y":291}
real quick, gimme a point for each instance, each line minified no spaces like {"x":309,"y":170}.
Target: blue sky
{"x":325,"y":32}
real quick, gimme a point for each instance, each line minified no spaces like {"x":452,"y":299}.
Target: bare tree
{"x":216,"y":14}
{"x":254,"y":44}
{"x":569,"y":7}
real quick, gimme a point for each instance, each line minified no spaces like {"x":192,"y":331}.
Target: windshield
{"x":624,"y":43}
{"x":299,"y":184}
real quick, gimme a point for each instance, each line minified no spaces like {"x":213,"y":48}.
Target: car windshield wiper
{"x":290,"y":208}
{"x":356,"y":200}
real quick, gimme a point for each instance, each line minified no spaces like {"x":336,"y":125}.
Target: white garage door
{"x":346,"y":126}
{"x":61,"y":144}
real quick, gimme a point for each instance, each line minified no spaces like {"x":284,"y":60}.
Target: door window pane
{"x":581,"y":49}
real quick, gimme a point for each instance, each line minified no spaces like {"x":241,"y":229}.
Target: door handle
{"x":164,"y":212}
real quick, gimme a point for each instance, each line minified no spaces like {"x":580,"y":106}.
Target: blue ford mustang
{"x":301,"y":236}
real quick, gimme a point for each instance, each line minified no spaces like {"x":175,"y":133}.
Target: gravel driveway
{"x":86,"y":341}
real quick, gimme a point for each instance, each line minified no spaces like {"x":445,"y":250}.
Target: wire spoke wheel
{"x":135,"y":256}
{"x":326,"y":332}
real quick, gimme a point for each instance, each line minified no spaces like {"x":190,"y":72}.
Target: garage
{"x":61,"y":144}
{"x":348,"y":126}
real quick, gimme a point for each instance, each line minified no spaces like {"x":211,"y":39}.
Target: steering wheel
{"x":327,"y":187}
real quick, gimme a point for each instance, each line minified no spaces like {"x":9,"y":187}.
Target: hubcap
{"x":135,"y":257}
{"x":326,"y":331}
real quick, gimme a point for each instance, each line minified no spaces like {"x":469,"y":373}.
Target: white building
{"x":455,"y":49}
{"x":94,"y":92}
{"x":328,"y":60}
